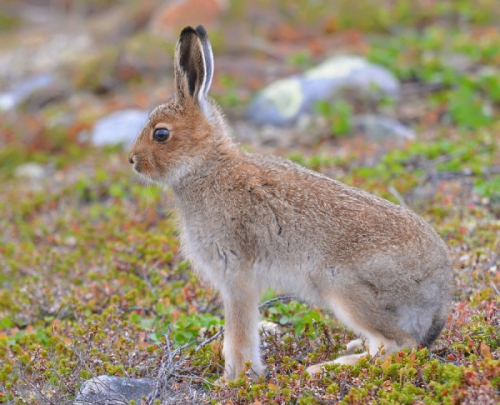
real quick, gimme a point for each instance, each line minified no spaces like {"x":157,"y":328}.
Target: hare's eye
{"x":161,"y":134}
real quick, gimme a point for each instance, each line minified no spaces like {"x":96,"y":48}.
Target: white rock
{"x":284,"y":101}
{"x":31,"y":171}
{"x":268,"y":327}
{"x":22,"y":90}
{"x":119,"y":127}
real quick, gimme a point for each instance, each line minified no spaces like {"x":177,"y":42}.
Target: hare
{"x":251,"y":222}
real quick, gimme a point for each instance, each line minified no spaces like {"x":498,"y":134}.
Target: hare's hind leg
{"x":375,"y":343}
{"x":241,"y":336}
{"x":353,"y":345}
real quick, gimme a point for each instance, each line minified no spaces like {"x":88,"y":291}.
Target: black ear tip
{"x":188,"y":31}
{"x":200,"y":29}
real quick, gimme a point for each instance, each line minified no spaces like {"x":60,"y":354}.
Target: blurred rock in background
{"x":119,"y":127}
{"x":284,"y":101}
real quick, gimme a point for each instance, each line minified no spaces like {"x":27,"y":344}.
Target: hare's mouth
{"x":140,"y":172}
{"x":138,"y":169}
{"x":138,"y":166}
{"x":144,"y":175}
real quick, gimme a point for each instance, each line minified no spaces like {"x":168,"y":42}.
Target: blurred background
{"x":361,"y":77}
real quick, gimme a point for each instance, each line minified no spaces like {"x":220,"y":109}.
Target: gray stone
{"x":22,"y":91}
{"x":284,"y":101}
{"x":379,"y":128}
{"x":110,"y":390}
{"x":119,"y":127}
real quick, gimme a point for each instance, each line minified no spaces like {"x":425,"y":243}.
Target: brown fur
{"x":250,"y":222}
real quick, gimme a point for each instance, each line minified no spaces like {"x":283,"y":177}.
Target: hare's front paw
{"x":258,"y":370}
{"x":233,"y":372}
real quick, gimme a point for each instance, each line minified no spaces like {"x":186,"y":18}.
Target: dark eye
{"x":161,"y":134}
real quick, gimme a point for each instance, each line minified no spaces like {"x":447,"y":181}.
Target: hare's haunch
{"x":251,"y":222}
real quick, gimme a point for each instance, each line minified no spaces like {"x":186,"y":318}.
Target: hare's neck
{"x":193,"y":184}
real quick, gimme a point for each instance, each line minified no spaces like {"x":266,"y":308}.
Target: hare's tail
{"x":423,"y":324}
{"x":438,"y":323}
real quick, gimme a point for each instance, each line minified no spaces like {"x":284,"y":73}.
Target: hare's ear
{"x":191,"y":71}
{"x":208,"y":56}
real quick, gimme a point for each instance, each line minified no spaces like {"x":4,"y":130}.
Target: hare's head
{"x":183,"y":132}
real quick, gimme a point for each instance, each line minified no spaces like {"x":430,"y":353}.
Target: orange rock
{"x":170,"y":18}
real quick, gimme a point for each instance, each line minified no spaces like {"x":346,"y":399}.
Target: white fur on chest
{"x":206,"y":256}
{"x":216,"y":261}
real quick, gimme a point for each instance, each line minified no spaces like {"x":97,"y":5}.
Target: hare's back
{"x":296,"y":191}
{"x":321,"y":213}
{"x":368,"y":238}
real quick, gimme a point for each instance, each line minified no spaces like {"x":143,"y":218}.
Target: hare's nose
{"x":131,"y":159}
